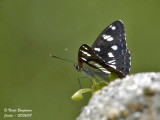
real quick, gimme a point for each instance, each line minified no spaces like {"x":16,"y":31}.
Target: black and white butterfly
{"x":108,"y":54}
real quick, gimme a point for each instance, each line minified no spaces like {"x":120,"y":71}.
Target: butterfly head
{"x":78,"y":68}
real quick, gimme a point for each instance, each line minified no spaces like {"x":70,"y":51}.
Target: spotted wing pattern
{"x":111,"y":47}
{"x":87,"y":56}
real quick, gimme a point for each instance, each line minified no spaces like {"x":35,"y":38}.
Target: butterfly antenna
{"x":61,"y":58}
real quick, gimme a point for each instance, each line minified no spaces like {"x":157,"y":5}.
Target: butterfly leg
{"x":83,"y":77}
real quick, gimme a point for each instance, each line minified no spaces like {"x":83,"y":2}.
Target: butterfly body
{"x":108,"y":54}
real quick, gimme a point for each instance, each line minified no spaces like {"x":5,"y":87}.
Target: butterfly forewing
{"x":88,"y":57}
{"x":111,"y":47}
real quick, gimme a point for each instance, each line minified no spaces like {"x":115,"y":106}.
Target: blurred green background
{"x":32,"y":29}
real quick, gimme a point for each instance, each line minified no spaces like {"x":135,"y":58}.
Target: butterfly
{"x":108,"y":54}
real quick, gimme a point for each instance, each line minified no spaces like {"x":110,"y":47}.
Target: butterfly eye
{"x":74,"y":65}
{"x":77,"y":67}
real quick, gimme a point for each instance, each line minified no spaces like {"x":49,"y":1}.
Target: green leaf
{"x":98,"y":85}
{"x":78,"y":95}
{"x":95,"y":87}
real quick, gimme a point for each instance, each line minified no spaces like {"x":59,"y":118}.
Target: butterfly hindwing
{"x":111,"y":47}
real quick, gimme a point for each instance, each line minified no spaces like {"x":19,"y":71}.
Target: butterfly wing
{"x":111,"y":47}
{"x":92,"y":64}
